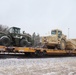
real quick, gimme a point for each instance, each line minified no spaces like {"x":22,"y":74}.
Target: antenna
{"x":68,"y":33}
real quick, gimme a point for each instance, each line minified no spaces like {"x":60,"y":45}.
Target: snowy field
{"x":37,"y":66}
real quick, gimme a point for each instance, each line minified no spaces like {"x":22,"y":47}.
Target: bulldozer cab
{"x":14,"y":32}
{"x":56,"y":32}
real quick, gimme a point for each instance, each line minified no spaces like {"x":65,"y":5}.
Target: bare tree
{"x":36,"y":39}
{"x":4,"y":28}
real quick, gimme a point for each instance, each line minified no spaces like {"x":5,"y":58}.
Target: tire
{"x":23,"y":43}
{"x":5,"y":41}
{"x":62,"y":45}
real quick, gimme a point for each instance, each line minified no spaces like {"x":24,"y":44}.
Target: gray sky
{"x":40,"y":16}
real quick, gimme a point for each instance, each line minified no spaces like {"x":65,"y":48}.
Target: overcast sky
{"x":40,"y":16}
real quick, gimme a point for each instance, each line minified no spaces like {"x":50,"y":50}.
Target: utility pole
{"x":68,"y":33}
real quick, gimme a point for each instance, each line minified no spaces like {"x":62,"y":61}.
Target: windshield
{"x":11,"y":30}
{"x":14,"y":30}
{"x":59,"y":33}
{"x":53,"y":32}
{"x":17,"y":31}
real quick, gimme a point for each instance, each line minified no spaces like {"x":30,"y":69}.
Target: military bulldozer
{"x":56,"y":40}
{"x":14,"y":38}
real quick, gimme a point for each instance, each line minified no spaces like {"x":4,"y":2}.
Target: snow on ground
{"x":38,"y":66}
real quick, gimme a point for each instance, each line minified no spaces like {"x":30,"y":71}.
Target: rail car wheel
{"x":41,"y":54}
{"x":33,"y":54}
{"x":44,"y":53}
{"x":38,"y":53}
{"x":27,"y":54}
